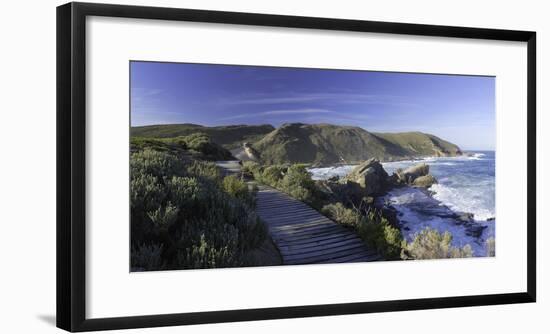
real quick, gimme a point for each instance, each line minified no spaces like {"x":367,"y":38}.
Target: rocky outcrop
{"x":365,"y":181}
{"x":425,"y":181}
{"x":250,"y":152}
{"x":370,"y":176}
{"x":417,"y":176}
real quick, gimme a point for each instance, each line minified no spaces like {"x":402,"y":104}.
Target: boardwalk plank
{"x":319,"y":239}
{"x":287,"y":214}
{"x":308,"y":232}
{"x":302,"y":234}
{"x":304,"y":229}
{"x":291,"y":225}
{"x":331,"y":243}
{"x":327,"y":256}
{"x":356,"y":247}
{"x":294,"y":221}
{"x":285,"y":239}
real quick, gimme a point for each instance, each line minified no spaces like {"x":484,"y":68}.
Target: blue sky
{"x":460,"y":109}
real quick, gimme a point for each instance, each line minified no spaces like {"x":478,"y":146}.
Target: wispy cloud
{"x":346,"y":98}
{"x":303,"y":111}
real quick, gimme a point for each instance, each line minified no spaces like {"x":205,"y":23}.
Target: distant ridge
{"x":329,"y":144}
{"x":229,"y":136}
{"x":320,"y":144}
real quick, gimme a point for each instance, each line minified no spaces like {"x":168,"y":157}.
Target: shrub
{"x":204,"y":169}
{"x":146,"y":193}
{"x":294,"y":180}
{"x":430,"y":244}
{"x":199,"y":219}
{"x":189,"y":194}
{"x":238,"y":189}
{"x":200,"y":142}
{"x":297,"y":183}
{"x":154,"y":163}
{"x":341,"y":214}
{"x":146,"y":257}
{"x":490,"y":247}
{"x":372,"y":227}
{"x":197,"y":145}
{"x":163,"y":217}
{"x":251,"y":168}
{"x":379,"y":233}
{"x":273,"y":174}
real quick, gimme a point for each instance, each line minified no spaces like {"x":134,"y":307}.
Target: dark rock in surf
{"x":417,"y":176}
{"x":425,"y":181}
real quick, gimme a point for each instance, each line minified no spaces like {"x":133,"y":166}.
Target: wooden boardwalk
{"x":302,"y":234}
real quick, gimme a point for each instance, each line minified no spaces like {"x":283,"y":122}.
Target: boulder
{"x":417,"y":175}
{"x":410,"y":174}
{"x":250,"y":152}
{"x":425,"y":181}
{"x":370,"y":176}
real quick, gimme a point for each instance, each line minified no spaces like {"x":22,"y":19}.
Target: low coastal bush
{"x":251,"y":168}
{"x":147,"y":257}
{"x":339,"y":213}
{"x":490,"y":246}
{"x":184,"y":215}
{"x":294,"y":180}
{"x":377,"y":231}
{"x":430,"y":244}
{"x":297,"y":183}
{"x":239,"y":189}
{"x":371,"y":227}
{"x":196,"y":145}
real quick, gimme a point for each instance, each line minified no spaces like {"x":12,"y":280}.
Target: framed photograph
{"x":219,"y":166}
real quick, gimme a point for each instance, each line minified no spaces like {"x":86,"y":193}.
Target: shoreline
{"x":470,"y":153}
{"x":412,"y":207}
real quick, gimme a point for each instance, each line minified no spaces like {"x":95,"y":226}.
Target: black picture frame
{"x":71,"y":167}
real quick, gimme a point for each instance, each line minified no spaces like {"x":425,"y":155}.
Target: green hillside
{"x":304,"y":143}
{"x":422,"y":144}
{"x":230,"y":136}
{"x":328,"y":144}
{"x":197,"y":145}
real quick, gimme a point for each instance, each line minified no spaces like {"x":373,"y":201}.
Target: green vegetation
{"x":308,"y":143}
{"x":377,"y":232}
{"x":196,"y":145}
{"x":230,"y":137}
{"x":371,"y":226}
{"x":339,"y":213}
{"x":490,"y":246}
{"x":294,"y":180}
{"x":184,"y":215}
{"x":430,"y":244}
{"x":421,"y":144}
{"x":327,"y":144}
{"x":238,"y":189}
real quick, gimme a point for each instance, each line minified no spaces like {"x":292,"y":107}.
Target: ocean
{"x":466,"y":184}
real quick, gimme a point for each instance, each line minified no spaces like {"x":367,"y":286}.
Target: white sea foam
{"x":324,"y":173}
{"x":476,"y":156}
{"x":466,"y":184}
{"x":417,"y":210}
{"x":466,"y":199}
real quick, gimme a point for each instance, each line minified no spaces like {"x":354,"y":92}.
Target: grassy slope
{"x":422,"y":144}
{"x":196,"y":146}
{"x":325,"y":144}
{"x":311,"y":143}
{"x":230,"y":136}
